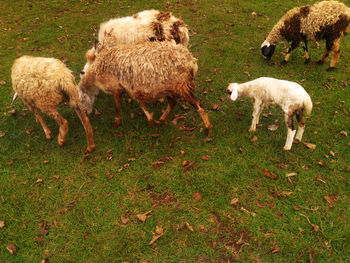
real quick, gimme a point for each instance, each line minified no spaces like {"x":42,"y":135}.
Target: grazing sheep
{"x":327,"y":20}
{"x":148,"y":72}
{"x":145,"y":26}
{"x":290,"y":96}
{"x":42,"y":84}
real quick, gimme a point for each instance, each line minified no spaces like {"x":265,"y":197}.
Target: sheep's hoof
{"x":209,"y":131}
{"x":283,"y":62}
{"x":60,"y":142}
{"x":320,"y":62}
{"x":160,"y":121}
{"x":307,"y":61}
{"x":252,"y":130}
{"x":48,"y":137}
{"x":90,"y":148}
{"x":286,"y":149}
{"x":330,"y":69}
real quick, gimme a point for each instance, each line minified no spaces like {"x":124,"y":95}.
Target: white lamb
{"x":292,"y":98}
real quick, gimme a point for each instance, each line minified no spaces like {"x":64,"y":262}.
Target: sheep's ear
{"x":234,"y":94}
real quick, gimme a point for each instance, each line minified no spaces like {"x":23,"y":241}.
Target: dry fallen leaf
{"x":189,"y":227}
{"x":254,"y":139}
{"x":197,"y":196}
{"x":315,"y":227}
{"x":234,"y":201}
{"x":159,"y":233}
{"x":274,"y":250}
{"x":97,"y":112}
{"x":269,"y":174}
{"x":344,"y":133}
{"x":44,"y":228}
{"x":205,"y":157}
{"x":39,"y":180}
{"x":2,"y":224}
{"x":143,"y":217}
{"x":124,"y":220}
{"x":310,"y":145}
{"x":272,"y":127}
{"x":2,"y":134}
{"x":331,"y":199}
{"x":11,"y":248}
{"x":2,"y":82}
{"x":207,"y":139}
{"x":216,"y":106}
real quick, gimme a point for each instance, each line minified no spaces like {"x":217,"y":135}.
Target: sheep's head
{"x":87,"y":95}
{"x":90,"y":57}
{"x":267,"y":49}
{"x":232,"y":91}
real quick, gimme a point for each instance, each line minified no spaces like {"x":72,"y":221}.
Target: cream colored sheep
{"x":148,"y":72}
{"x":290,"y":96}
{"x":44,"y":83}
{"x":327,"y":20}
{"x":145,"y":26}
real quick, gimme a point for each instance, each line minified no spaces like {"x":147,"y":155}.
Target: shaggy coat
{"x":145,"y":26}
{"x":290,"y":96}
{"x":148,"y":72}
{"x":327,"y":20}
{"x":44,"y":83}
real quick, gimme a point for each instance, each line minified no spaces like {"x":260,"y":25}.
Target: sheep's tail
{"x":308,"y":105}
{"x":14,"y":97}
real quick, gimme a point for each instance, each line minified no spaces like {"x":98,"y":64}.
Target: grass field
{"x":61,"y":205}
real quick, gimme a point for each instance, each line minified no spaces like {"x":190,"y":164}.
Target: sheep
{"x":148,"y":72}
{"x":327,"y":20}
{"x":44,"y":83}
{"x":149,"y":25}
{"x":290,"y":96}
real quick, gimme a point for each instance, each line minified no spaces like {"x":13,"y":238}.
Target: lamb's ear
{"x":234,"y":94}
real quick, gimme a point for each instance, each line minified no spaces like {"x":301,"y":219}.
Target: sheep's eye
{"x":82,"y":72}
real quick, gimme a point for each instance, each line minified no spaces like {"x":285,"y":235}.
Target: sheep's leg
{"x":87,"y":126}
{"x":117,"y":100}
{"x":290,"y":131}
{"x":293,"y":46}
{"x":336,"y":54}
{"x":301,"y":125}
{"x":306,"y":50}
{"x":329,"y":46}
{"x":39,"y":119}
{"x":258,"y":107}
{"x":169,"y":109}
{"x":63,"y":123}
{"x":149,"y":115}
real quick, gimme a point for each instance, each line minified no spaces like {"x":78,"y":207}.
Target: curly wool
{"x":312,"y":21}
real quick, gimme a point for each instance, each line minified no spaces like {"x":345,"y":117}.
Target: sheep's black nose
{"x":229,"y":92}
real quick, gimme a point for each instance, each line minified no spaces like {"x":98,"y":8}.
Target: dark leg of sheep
{"x":329,"y":46}
{"x":149,"y":115}
{"x":39,"y":119}
{"x":307,"y":56}
{"x":63,"y":123}
{"x":117,"y":100}
{"x":87,"y":126}
{"x":169,"y":109}
{"x":301,"y":125}
{"x":293,"y":46}
{"x":336,"y":55}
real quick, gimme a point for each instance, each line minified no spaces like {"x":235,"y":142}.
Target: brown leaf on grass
{"x":310,"y":145}
{"x":39,"y":180}
{"x":311,"y":255}
{"x":186,"y":128}
{"x":159,"y":233}
{"x":269,"y":174}
{"x":2,"y":82}
{"x":274,"y":250}
{"x":254,"y":139}
{"x":179,"y":117}
{"x":2,"y":134}
{"x":2,"y":224}
{"x":64,"y":59}
{"x":197,"y":196}
{"x":38,"y":239}
{"x":143,"y":217}
{"x":247,"y":73}
{"x":110,"y":176}
{"x":45,"y":161}
{"x":45,"y":260}
{"x":120,"y":169}
{"x":97,"y":112}
{"x":205,"y":157}
{"x":124,"y":220}
{"x":11,"y":248}
{"x":321,"y":163}
{"x":44,"y":228}
{"x":155,"y":135}
{"x":272,"y":127}
{"x":28,"y":131}
{"x":319,"y":178}
{"x":109,"y":157}
{"x":216,"y":106}
{"x":187,"y":165}
{"x":296,"y":208}
{"x":207,"y":139}
{"x":189,"y":227}
{"x":208,"y":80}
{"x":157,"y":164}
{"x":131,"y":159}
{"x":132,"y":115}
{"x":315,"y":227}
{"x":331,"y":199}
{"x":344,"y":133}
{"x":182,"y":152}
{"x":234,"y":201}
{"x":185,"y":107}
{"x":118,"y":134}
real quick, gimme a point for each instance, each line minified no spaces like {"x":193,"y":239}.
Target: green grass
{"x":83,"y":207}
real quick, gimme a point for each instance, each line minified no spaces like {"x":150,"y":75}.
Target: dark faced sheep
{"x":44,"y":83}
{"x":148,"y":72}
{"x":327,"y":20}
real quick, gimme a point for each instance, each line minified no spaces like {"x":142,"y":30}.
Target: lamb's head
{"x":267,"y":49}
{"x":87,"y":94}
{"x":232,"y":91}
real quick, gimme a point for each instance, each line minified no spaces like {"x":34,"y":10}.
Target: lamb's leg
{"x":258,"y":107}
{"x":117,"y":100}
{"x":335,"y":56}
{"x":39,"y":119}
{"x":149,"y":115}
{"x":290,"y":131}
{"x":301,"y":125}
{"x":63,"y":123}
{"x":169,"y":109}
{"x":326,"y":52}
{"x":87,"y":126}
{"x":293,"y":46}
